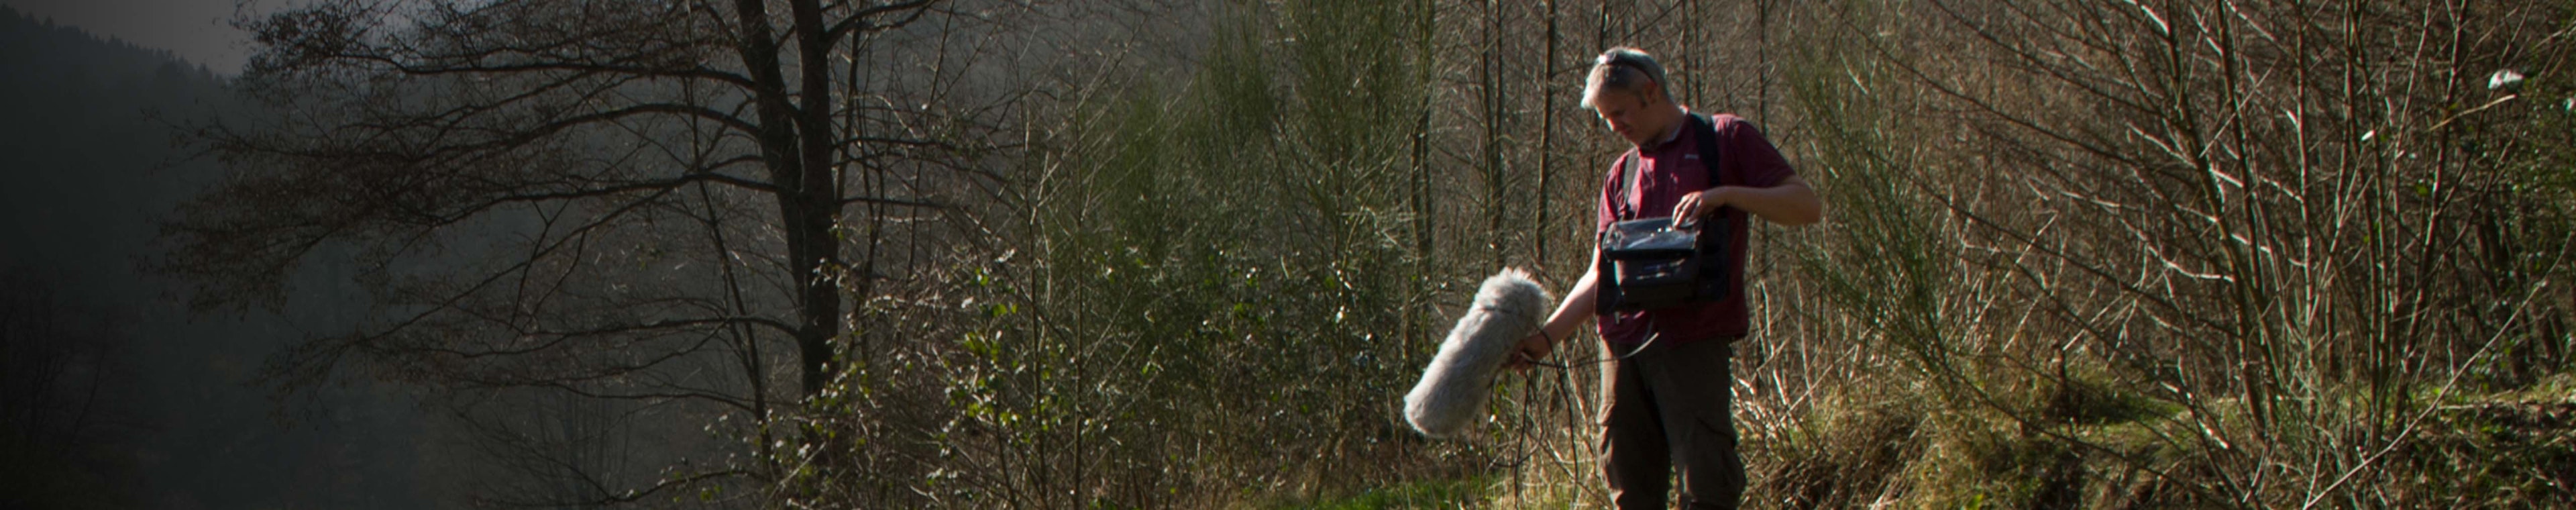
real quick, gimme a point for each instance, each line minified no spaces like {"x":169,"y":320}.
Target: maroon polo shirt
{"x":1672,"y":169}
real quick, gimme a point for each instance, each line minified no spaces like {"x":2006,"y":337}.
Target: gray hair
{"x":1625,"y":69}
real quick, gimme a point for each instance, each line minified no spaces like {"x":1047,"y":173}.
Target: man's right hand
{"x":1570,"y":313}
{"x":1532,"y":348}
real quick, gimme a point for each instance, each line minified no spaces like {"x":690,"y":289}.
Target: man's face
{"x":1626,"y":114}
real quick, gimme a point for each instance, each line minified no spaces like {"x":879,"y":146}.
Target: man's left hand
{"x":1697,"y":204}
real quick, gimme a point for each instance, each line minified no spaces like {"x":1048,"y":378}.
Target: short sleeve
{"x":1757,"y":163}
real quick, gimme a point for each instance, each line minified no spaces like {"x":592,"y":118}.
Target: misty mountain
{"x":112,"y":394}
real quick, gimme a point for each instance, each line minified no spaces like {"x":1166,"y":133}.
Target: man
{"x":1667,"y":399}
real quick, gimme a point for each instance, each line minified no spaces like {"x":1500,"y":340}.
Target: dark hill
{"x":111,"y":394}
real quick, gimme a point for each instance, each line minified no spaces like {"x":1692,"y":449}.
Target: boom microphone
{"x":1451,"y":396}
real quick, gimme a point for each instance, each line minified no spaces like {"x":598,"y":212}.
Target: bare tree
{"x":65,"y":380}
{"x":656,"y":202}
{"x":2243,"y":227}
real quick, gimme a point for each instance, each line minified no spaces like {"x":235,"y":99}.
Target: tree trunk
{"x":795,"y":145}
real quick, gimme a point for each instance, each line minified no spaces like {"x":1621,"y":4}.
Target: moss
{"x":1455,"y":493}
{"x":2086,"y":402}
{"x":2510,"y":449}
{"x":1844,"y":459}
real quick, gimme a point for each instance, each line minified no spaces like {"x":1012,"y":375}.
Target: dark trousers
{"x":1671,"y":406}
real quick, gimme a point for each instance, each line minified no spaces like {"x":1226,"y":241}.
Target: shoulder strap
{"x":1621,"y":205}
{"x":1707,"y":134}
{"x":1715,"y":242}
{"x":1628,"y":174}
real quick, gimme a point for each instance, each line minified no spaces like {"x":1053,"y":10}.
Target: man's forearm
{"x":1576,"y":308}
{"x":1791,"y":203}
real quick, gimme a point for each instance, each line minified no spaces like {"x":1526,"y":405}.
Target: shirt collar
{"x":1672,"y":134}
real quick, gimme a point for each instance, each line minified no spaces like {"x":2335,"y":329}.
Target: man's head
{"x":1627,"y":89}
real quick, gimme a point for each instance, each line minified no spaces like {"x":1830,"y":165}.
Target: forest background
{"x":1028,"y":254}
